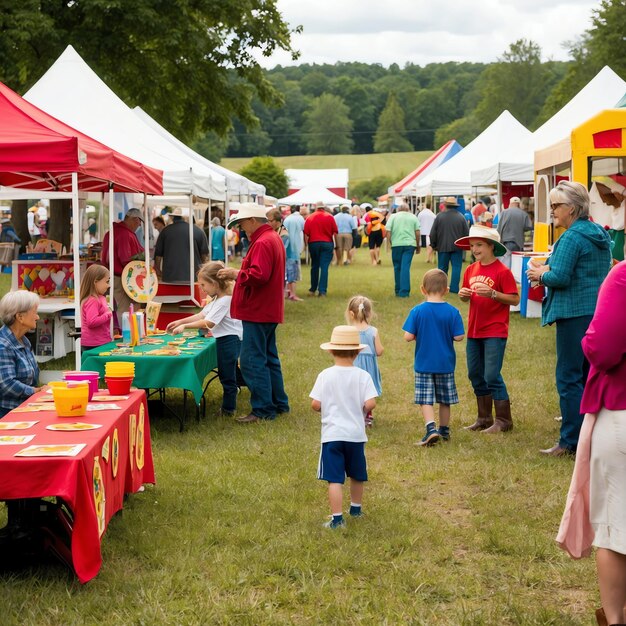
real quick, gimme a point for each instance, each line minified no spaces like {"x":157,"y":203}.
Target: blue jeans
{"x":321,"y":255}
{"x":228,"y":349}
{"x":456,"y":259}
{"x":402,"y":257}
{"x":571,"y":374}
{"x":484,"y":364}
{"x":261,"y":370}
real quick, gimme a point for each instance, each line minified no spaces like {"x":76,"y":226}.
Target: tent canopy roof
{"x":71,"y":91}
{"x":311,"y":195}
{"x":454,"y":176}
{"x":334,"y":178}
{"x":39,"y":152}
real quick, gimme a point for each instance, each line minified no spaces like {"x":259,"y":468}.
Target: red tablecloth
{"x":72,"y":478}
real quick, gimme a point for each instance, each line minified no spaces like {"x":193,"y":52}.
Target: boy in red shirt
{"x":490,"y":288}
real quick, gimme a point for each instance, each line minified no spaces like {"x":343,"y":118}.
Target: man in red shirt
{"x":126,"y":248}
{"x":319,"y":234}
{"x":258,"y":301}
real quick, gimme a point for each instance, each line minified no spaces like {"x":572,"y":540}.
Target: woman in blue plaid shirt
{"x":19,"y":373}
{"x":580,"y":261}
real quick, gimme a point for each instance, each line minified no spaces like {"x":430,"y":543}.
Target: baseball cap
{"x":134,"y":213}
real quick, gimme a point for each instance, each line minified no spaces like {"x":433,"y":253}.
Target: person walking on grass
{"x":491,"y":290}
{"x":403,"y":232}
{"x":359,"y":314}
{"x":434,"y":325}
{"x":319,"y":235}
{"x":343,"y":394}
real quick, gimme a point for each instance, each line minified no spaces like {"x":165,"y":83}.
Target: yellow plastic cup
{"x":71,"y":400}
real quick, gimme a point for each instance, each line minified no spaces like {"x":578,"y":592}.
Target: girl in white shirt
{"x":227,"y":331}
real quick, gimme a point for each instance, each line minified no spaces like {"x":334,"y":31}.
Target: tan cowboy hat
{"x":343,"y":338}
{"x":490,"y":235}
{"x":246,"y":210}
{"x":451,"y":201}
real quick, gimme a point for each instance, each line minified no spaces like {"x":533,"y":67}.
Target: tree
{"x":329,"y":126}
{"x":265,"y":171}
{"x":390,"y":135}
{"x":518,"y":82}
{"x":370,"y":190}
{"x":463,"y":130}
{"x":188,"y":63}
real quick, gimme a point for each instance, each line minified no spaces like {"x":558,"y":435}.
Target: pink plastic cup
{"x":91,"y":377}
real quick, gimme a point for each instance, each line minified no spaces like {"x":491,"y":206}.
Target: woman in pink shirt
{"x":595,"y":513}
{"x":95,"y":314}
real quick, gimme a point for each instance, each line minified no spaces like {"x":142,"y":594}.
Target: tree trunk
{"x":19,"y":211}
{"x":59,"y":228}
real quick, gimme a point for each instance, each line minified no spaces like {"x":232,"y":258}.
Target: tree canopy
{"x":188,"y":63}
{"x":265,"y":171}
{"x":390,"y":135}
{"x":329,"y":126}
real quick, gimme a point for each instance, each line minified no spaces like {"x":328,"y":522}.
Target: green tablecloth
{"x":185,"y":371}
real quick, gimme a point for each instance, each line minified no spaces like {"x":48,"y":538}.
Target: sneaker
{"x":444,"y":433}
{"x":358,"y":513}
{"x":332,"y":524}
{"x":430,"y":438}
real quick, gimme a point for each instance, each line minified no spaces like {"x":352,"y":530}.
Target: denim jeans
{"x":484,"y":364}
{"x":571,"y":374}
{"x":261,"y":370}
{"x":402,"y":257}
{"x":228,"y":349}
{"x":321,"y":255}
{"x":456,"y":259}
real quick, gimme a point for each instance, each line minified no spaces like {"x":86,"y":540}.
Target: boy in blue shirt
{"x":434,"y":325}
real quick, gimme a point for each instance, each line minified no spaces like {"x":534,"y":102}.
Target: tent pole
{"x":192,"y":278}
{"x":76,"y":255}
{"x":147,"y":224}
{"x":226,"y":218}
{"x":111,"y":260}
{"x":209,"y":228}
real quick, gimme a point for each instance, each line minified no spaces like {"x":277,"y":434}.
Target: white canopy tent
{"x":454,"y":176}
{"x":311,"y":195}
{"x":239,"y":187}
{"x":72,"y":92}
{"x":515,"y":164}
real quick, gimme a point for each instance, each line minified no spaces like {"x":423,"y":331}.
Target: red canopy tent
{"x":37,"y":151}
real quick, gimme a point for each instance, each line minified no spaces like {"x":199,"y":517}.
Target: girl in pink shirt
{"x":95,"y":314}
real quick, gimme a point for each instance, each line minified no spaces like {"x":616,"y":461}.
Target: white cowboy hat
{"x":246,"y":210}
{"x":490,"y":235}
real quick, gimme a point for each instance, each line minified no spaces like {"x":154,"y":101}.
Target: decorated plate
{"x":139,"y":439}
{"x":16,"y":425}
{"x":136,"y":284}
{"x":73,"y":426}
{"x":52,"y":450}
{"x":115,"y":453}
{"x":98,"y":495}
{"x":13,"y":440}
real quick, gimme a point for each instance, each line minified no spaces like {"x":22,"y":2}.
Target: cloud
{"x":428,"y":31}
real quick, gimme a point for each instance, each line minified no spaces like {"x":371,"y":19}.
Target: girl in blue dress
{"x":359,"y":314}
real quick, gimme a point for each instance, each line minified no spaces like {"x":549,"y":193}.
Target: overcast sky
{"x":428,"y":31}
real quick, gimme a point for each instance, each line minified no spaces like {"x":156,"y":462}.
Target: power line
{"x":352,"y":132}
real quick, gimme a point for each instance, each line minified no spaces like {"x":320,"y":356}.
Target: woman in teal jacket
{"x":579,"y":262}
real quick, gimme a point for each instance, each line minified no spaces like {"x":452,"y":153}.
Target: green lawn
{"x":362,"y":166}
{"x":462,"y":533}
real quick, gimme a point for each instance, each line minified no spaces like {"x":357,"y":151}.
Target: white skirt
{"x":607,"y":489}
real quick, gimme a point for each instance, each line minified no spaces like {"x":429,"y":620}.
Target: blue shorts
{"x":439,"y":388}
{"x":292,"y":270}
{"x":339,"y":459}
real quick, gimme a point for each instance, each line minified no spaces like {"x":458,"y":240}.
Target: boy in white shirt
{"x":343,"y":394}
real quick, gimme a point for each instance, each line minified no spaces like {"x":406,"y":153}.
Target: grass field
{"x":362,"y":166}
{"x":459,"y":534}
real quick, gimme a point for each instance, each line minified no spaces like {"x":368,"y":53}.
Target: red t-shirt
{"x":320,"y":226}
{"x":125,"y":247}
{"x":488,"y":318}
{"x":258,"y":295}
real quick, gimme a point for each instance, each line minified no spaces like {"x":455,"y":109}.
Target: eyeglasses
{"x":557,"y":205}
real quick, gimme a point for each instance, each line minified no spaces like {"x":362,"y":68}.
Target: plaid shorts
{"x":435,"y":388}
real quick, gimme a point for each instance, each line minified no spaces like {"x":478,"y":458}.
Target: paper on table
{"x":52,"y":450}
{"x":73,"y":426}
{"x":9,"y":440}
{"x":108,"y":398}
{"x":16,"y":425}
{"x":103,"y":407}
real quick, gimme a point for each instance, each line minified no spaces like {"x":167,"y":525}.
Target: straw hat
{"x":490,"y":235}
{"x":344,"y":338}
{"x":451,"y":201}
{"x":246,"y":210}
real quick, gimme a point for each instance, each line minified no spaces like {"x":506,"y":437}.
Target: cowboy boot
{"x":504,"y":421}
{"x":484,"y":419}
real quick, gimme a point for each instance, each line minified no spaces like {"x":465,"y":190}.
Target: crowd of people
{"x":246,"y":305}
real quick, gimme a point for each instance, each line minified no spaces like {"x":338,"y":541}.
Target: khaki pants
{"x":344,"y":244}
{"x":121,"y":298}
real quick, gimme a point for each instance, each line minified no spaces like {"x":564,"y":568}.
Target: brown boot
{"x":504,"y":421}
{"x":485,"y":418}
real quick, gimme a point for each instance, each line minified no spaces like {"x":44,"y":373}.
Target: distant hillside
{"x":362,"y":166}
